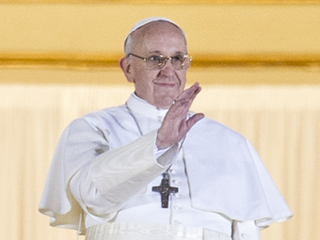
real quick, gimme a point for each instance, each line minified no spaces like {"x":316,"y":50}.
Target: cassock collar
{"x":141,"y":106}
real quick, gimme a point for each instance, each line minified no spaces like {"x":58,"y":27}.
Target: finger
{"x":194,"y":119}
{"x":186,"y":98}
{"x":190,"y":92}
{"x":180,"y":107}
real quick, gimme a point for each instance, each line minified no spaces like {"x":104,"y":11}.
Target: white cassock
{"x":106,"y":164}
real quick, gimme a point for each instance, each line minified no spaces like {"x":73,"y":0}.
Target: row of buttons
{"x":178,"y":197}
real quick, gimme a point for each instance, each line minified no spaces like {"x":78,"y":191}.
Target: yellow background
{"x":258,"y":63}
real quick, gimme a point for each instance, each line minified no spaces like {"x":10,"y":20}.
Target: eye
{"x":178,"y":58}
{"x":155,"y":58}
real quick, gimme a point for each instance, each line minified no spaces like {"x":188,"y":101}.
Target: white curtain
{"x":283,"y":122}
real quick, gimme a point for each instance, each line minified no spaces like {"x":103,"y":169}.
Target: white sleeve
{"x":245,"y":231}
{"x":102,"y":186}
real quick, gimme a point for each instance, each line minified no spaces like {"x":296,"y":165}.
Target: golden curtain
{"x":282,"y":121}
{"x":258,"y":62}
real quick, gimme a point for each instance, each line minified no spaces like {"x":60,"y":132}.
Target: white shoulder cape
{"x":225,"y":172}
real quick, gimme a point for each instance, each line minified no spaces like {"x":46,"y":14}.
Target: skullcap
{"x":146,"y":21}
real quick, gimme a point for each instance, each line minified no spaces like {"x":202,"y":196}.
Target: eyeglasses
{"x":159,"y":61}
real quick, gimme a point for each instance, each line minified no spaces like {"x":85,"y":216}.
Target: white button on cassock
{"x":176,"y":182}
{"x":177,"y":208}
{"x":245,"y":235}
{"x":177,"y":195}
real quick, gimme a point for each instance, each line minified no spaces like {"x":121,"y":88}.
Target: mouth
{"x":165,"y":84}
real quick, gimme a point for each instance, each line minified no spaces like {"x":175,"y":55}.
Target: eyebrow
{"x":159,"y":52}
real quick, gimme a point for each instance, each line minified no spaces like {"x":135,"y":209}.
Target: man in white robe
{"x":108,"y":166}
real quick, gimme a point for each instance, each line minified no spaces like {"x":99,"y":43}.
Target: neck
{"x":163,"y":102}
{"x":141,"y":106}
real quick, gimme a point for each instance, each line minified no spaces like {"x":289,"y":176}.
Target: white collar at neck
{"x":140,"y":106}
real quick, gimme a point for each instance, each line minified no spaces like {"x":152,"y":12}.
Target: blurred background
{"x":257,"y":61}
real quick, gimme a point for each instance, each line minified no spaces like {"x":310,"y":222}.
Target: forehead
{"x":159,"y":37}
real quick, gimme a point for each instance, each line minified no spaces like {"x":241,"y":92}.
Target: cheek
{"x":143,"y":82}
{"x":183,"y":79}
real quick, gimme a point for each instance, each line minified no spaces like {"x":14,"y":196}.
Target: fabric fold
{"x":229,"y":177}
{"x":226,"y":175}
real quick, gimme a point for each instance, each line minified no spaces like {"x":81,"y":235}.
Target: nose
{"x":167,"y":69}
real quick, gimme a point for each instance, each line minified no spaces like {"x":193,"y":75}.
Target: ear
{"x":126,"y":69}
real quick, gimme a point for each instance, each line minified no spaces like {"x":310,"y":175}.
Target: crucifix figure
{"x":165,"y":189}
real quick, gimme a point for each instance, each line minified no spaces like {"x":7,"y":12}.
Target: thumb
{"x":194,"y":119}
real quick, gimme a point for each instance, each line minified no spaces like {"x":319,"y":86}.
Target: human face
{"x":159,"y":87}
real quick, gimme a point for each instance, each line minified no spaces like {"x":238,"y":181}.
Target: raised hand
{"x":176,"y":125}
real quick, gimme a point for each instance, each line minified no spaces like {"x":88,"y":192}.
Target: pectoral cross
{"x":165,"y":189}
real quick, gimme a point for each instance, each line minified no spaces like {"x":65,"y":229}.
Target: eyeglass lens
{"x":178,"y":62}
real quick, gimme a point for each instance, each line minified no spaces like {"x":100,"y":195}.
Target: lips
{"x":166,"y":84}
